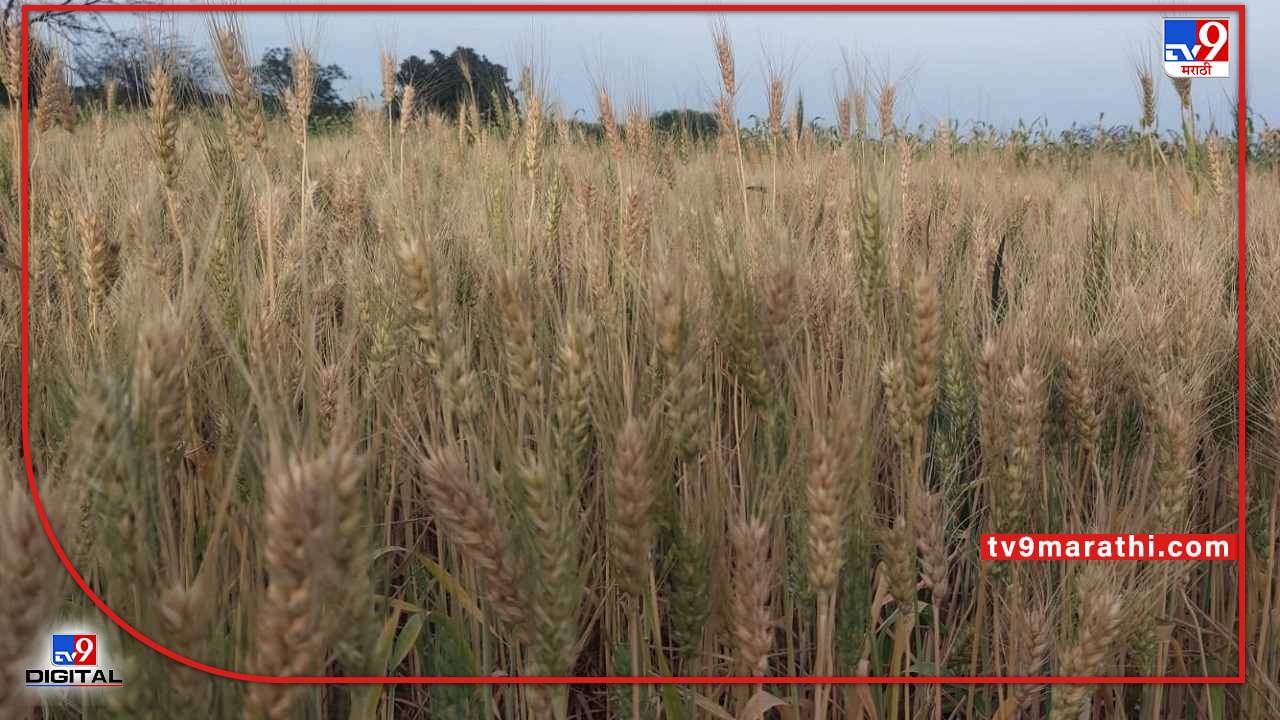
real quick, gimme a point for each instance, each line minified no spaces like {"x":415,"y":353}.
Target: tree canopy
{"x":275,"y":74}
{"x":697,"y":123}
{"x":442,"y":83}
{"x":126,"y":58}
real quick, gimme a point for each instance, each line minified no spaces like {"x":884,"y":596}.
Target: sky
{"x":999,"y":68}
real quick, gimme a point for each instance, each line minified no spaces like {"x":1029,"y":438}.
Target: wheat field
{"x":422,"y":395}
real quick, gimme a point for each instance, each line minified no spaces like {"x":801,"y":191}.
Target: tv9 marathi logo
{"x":1197,"y":47}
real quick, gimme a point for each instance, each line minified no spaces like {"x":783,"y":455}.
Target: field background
{"x":488,"y":392}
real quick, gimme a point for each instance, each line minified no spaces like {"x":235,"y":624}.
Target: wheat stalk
{"x":98,"y":258}
{"x":888,"y":95}
{"x":158,"y":374}
{"x":524,"y":363}
{"x":32,"y":589}
{"x":1100,"y":619}
{"x":292,"y":635}
{"x":471,"y":523}
{"x":164,"y":122}
{"x":55,"y":107}
{"x":298,"y":99}
{"x":631,"y":531}
{"x":185,"y":612}
{"x":753,"y":578}
{"x":246,"y":106}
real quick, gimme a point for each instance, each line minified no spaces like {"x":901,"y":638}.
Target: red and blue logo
{"x":75,"y":650}
{"x":1197,"y":47}
{"x":73,"y":663}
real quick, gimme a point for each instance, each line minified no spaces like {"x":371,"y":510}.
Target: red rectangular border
{"x":1241,"y":158}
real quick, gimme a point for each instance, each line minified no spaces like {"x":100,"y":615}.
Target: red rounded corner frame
{"x":1241,"y":156}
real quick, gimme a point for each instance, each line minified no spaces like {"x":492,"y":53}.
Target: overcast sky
{"x":995,"y":67}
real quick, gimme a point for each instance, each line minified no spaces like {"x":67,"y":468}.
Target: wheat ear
{"x":297,"y":554}
{"x":1100,"y":619}
{"x":631,"y":531}
{"x":471,"y":524}
{"x":32,"y":588}
{"x":752,"y":578}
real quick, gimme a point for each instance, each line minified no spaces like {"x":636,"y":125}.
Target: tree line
{"x":443,"y":83}
{"x":440,"y":80}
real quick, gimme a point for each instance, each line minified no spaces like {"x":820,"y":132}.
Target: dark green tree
{"x":275,"y":75}
{"x":442,"y":85}
{"x":697,"y":123}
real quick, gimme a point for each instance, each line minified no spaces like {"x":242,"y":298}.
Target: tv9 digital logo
{"x":73,"y":650}
{"x":73,"y":663}
{"x":1197,"y":47}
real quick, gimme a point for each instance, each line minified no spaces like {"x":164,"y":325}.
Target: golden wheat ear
{"x":469,"y":519}
{"x":33,"y":583}
{"x":245,"y":105}
{"x":293,"y":635}
{"x":753,"y":576}
{"x":631,"y":530}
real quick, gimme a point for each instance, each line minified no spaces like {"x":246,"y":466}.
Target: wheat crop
{"x":419,"y":394}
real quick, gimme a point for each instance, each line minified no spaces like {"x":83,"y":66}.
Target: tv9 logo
{"x":1197,"y":47}
{"x":76,"y":661}
{"x":75,"y":650}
